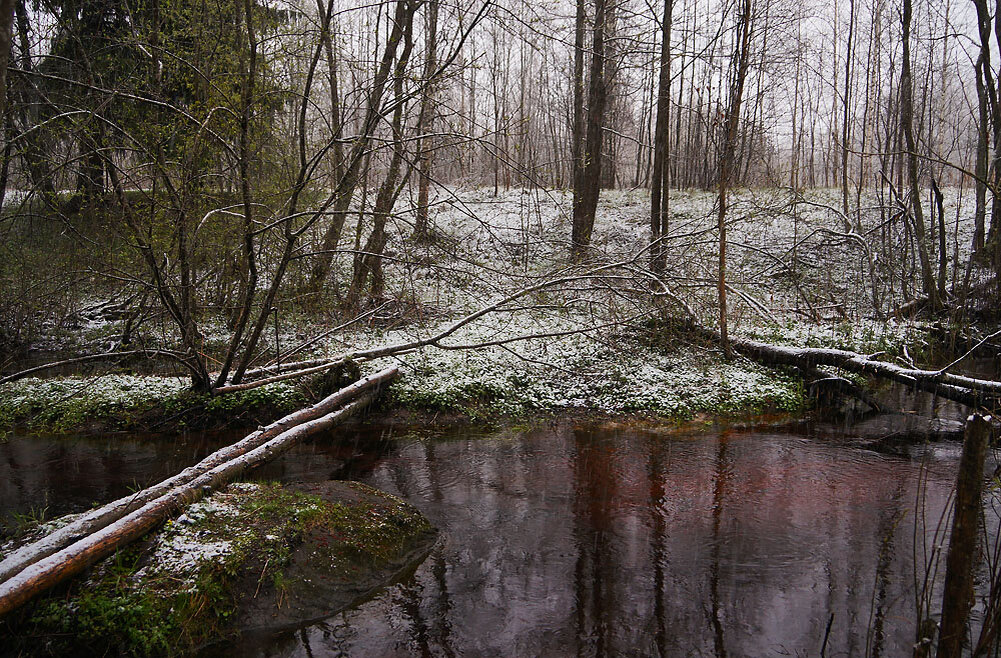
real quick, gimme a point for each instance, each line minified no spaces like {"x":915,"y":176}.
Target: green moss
{"x":110,"y":612}
{"x":151,"y":600}
{"x":127,"y":402}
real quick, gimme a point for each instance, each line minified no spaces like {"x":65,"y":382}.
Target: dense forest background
{"x":244,"y":161}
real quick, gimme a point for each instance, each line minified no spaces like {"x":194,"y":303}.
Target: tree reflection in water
{"x":592,"y":541}
{"x":598,"y":541}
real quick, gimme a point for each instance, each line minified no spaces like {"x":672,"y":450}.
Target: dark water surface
{"x":593,"y":540}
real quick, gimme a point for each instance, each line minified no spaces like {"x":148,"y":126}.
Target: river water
{"x":590,"y":539}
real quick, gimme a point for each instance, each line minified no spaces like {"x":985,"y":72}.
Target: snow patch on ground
{"x":190,"y":542}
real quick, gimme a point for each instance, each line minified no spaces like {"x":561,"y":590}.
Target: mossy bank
{"x":251,"y":557}
{"x":145,"y":403}
{"x":581,"y":376}
{"x":656,"y":368}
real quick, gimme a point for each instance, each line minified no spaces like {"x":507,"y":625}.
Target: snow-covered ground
{"x":800,"y":274}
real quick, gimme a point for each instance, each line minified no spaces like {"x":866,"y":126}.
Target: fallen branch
{"x":101,"y":517}
{"x":958,"y":388}
{"x":83,"y":359}
{"x":314,"y":367}
{"x":973,"y":349}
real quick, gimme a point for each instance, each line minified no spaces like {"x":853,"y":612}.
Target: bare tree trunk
{"x":403,"y":17}
{"x":587,"y":186}
{"x":6,"y":39}
{"x":845,"y":112}
{"x":980,"y":172}
{"x":660,"y":183}
{"x":988,"y":91}
{"x":943,"y":255}
{"x":249,"y":255}
{"x":577,"y":127}
{"x":370,"y":262}
{"x":33,"y":151}
{"x":336,"y":122}
{"x":907,"y":120}
{"x":424,"y":123}
{"x":740,"y":63}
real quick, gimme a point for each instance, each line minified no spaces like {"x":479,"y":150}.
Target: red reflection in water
{"x":589,"y":541}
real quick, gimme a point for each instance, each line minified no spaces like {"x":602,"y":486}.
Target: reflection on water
{"x":584,"y":540}
{"x":56,"y":475}
{"x":578,"y":541}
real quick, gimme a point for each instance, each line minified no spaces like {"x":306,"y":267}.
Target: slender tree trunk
{"x":660,"y":192}
{"x":577,"y":126}
{"x":336,"y":121}
{"x":907,"y":120}
{"x":370,"y":263}
{"x":33,"y":150}
{"x":349,"y":180}
{"x":6,"y":39}
{"x":980,"y":172}
{"x":249,"y":255}
{"x":741,"y":58}
{"x":988,"y":91}
{"x":943,"y":255}
{"x":589,"y":183}
{"x":424,"y":124}
{"x":845,"y":112}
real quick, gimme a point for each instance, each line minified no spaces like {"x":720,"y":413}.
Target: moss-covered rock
{"x":252,"y":557}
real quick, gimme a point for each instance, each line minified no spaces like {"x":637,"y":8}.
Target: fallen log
{"x":958,"y":388}
{"x":71,"y":560}
{"x":101,"y":517}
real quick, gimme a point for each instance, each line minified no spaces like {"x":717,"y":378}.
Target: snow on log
{"x":965,"y":390}
{"x":103,"y":516}
{"x":69,"y":561}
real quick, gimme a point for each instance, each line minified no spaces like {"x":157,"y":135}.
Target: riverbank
{"x":574,"y":348}
{"x":252,"y":557}
{"x":478,"y":386}
{"x":651,"y":369}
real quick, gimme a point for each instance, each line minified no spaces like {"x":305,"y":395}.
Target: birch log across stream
{"x":958,"y":388}
{"x":38,"y":566}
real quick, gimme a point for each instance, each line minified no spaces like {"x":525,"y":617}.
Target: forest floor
{"x":800,"y":276}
